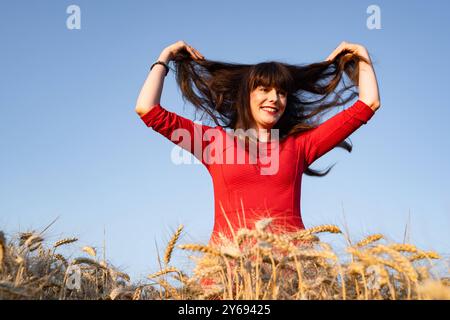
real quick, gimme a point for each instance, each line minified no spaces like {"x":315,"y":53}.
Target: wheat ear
{"x":90,"y":251}
{"x":425,"y":255}
{"x":323,"y":228}
{"x":368,"y":240}
{"x":171,"y":245}
{"x":162,"y":272}
{"x":64,"y":242}
{"x":2,"y":249}
{"x":89,"y":262}
{"x":201,"y":248}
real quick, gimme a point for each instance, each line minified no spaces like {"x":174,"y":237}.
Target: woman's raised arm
{"x":367,"y":82}
{"x":150,"y":94}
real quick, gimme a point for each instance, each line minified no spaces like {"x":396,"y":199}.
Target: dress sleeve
{"x":182,"y":131}
{"x":318,"y":141}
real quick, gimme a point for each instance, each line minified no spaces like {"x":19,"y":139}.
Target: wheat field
{"x":254,"y":265}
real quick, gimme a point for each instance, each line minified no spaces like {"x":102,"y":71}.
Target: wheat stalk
{"x":33,"y":240}
{"x":162,"y":272}
{"x":316,"y":253}
{"x":325,"y":228}
{"x":402,"y":262}
{"x":262,"y":224}
{"x":171,"y":245}
{"x":403,"y":247}
{"x":423,"y":273}
{"x":116,"y":274}
{"x":24,"y":237}
{"x":61,"y":258}
{"x":432,"y":289}
{"x":173,"y":291}
{"x":425,"y":255}
{"x":90,"y":251}
{"x":308,"y":232}
{"x":181,"y":276}
{"x":121,"y":292}
{"x":2,"y":249}
{"x":370,"y":259}
{"x":368,"y":240}
{"x":201,"y":248}
{"x":212,"y":293}
{"x":207,"y":261}
{"x":89,"y":262}
{"x":203,"y":272}
{"x":267,"y":237}
{"x":137,"y":293}
{"x":355,"y":268}
{"x":445,"y":281}
{"x":64,"y":242}
{"x":13,"y":289}
{"x":231,"y":252}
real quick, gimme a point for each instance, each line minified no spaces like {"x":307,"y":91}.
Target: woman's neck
{"x":256,"y":134}
{"x":261,"y":134}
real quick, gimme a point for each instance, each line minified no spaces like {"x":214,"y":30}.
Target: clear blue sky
{"x":72,"y":145}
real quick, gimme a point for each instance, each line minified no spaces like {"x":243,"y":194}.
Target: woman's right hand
{"x":173,"y":49}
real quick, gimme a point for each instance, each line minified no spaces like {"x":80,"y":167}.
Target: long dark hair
{"x":222,"y":90}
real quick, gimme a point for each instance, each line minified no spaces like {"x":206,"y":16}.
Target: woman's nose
{"x":273,"y":94}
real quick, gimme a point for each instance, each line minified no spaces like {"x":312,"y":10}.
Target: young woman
{"x":275,"y":104}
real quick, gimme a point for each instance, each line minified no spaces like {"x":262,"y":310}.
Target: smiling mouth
{"x":270,"y":110}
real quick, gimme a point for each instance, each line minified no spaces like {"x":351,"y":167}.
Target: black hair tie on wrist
{"x":161,"y":63}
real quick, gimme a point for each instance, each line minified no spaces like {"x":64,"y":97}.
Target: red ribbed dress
{"x":242,"y":195}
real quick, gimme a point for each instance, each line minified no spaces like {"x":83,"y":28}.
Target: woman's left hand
{"x":367,"y":82}
{"x":353,"y":47}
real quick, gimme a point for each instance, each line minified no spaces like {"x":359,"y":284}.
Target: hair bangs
{"x":271,"y":75}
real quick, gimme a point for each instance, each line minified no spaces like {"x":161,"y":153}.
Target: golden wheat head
{"x":368,"y":240}
{"x":171,"y":245}
{"x":64,"y":242}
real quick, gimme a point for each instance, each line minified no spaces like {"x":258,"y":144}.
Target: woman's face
{"x":262,"y":102}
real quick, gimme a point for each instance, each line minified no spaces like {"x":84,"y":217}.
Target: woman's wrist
{"x":163,"y":61}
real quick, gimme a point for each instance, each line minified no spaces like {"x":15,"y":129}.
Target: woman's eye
{"x":265,"y":89}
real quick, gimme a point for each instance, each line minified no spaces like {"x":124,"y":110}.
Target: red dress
{"x":244,"y":194}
